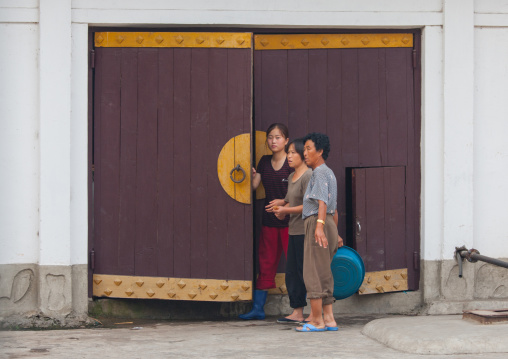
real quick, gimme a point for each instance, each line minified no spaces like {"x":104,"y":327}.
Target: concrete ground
{"x":446,"y":336}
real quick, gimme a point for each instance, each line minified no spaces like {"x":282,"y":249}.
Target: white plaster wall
{"x":491,"y":141}
{"x":55,"y":133}
{"x":322,"y":13}
{"x":440,"y":95}
{"x":79,"y":145}
{"x":19,"y":144}
{"x":491,"y":6}
{"x":432,"y":144}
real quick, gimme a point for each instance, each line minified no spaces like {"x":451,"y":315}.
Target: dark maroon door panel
{"x":161,"y":118}
{"x":379,"y":210}
{"x":364,"y":99}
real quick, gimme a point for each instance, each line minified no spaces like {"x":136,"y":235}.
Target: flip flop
{"x":309,"y":328}
{"x":287,"y":321}
{"x":331,"y":329}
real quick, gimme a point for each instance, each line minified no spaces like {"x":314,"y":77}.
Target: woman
{"x":292,"y":205}
{"x":321,"y":236}
{"x":273,"y":170}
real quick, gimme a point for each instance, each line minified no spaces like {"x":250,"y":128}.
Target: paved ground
{"x":236,"y":339}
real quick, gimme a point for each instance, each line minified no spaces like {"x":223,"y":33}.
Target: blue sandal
{"x":309,"y":328}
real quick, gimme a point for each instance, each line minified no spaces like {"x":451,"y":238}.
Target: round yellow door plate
{"x":234,"y":166}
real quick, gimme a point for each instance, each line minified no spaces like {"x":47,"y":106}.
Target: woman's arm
{"x":319,"y":234}
{"x":256,"y":179}
{"x":282,"y":212}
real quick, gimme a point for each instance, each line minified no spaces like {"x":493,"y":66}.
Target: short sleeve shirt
{"x":294,"y":197}
{"x":276,"y":187}
{"x":322,"y":187}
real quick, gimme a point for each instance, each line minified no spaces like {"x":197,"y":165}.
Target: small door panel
{"x":379,"y":212}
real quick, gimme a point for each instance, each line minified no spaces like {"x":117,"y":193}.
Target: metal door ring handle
{"x":237,"y":168}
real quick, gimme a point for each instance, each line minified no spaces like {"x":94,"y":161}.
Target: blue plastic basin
{"x":348,"y":272}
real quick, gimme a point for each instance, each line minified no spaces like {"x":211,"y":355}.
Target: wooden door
{"x":379,"y":215}
{"x":362,"y":90}
{"x":165,"y":104}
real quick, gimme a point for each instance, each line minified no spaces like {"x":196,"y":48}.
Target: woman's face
{"x":312,"y":157}
{"x":294,"y":159}
{"x":276,"y":140}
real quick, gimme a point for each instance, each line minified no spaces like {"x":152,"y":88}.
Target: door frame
{"x":417,"y":93}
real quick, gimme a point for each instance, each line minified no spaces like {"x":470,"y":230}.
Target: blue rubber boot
{"x":257,"y":311}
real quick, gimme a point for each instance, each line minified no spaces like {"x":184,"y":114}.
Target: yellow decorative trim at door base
{"x":331,"y":41}
{"x":206,"y":290}
{"x":229,"y":40}
{"x":394,"y":280}
{"x":280,"y":284}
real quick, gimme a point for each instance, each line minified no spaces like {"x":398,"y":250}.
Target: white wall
{"x":64,"y":118}
{"x":491,"y":141}
{"x":432,"y":144}
{"x":322,"y":13}
{"x":19,"y":144}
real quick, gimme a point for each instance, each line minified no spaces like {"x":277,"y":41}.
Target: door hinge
{"x":92,"y":259}
{"x":416,"y":261}
{"x":92,"y":59}
{"x":414,"y":59}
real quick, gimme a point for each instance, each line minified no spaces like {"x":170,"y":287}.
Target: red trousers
{"x":272,"y":241}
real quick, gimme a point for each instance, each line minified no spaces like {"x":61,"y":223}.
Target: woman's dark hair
{"x":281,"y":127}
{"x":321,"y":141}
{"x":299,"y":144}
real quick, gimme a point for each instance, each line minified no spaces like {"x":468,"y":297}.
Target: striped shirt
{"x":276,"y":187}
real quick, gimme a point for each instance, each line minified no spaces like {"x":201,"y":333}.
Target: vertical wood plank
{"x":298,"y":87}
{"x":317,"y":91}
{"x":90,"y":163}
{"x":128,"y":161}
{"x":333,"y":119}
{"x":412,"y":205}
{"x":199,"y":168}
{"x":395,"y":217}
{"x":258,"y":91}
{"x":218,"y":136}
{"x":368,"y":108}
{"x":349,"y":124}
{"x":274,"y":95}
{"x":166,"y":170}
{"x":359,"y":224}
{"x":182,"y":148}
{"x":234,"y":123}
{"x":375,"y":211}
{"x":97,"y":182}
{"x":146,"y":178}
{"x":415,"y":74}
{"x":109,"y":141}
{"x":383,"y":119}
{"x":247,"y":73}
{"x":397,"y":110}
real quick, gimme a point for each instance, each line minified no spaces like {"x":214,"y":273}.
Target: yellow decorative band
{"x":394,"y":280}
{"x":331,"y":41}
{"x":174,"y":39}
{"x":280,"y":285}
{"x":209,"y":290}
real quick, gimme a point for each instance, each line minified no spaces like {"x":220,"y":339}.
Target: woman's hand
{"x":320,"y":237}
{"x":340,"y":242}
{"x":280,"y":212}
{"x":275,"y":204}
